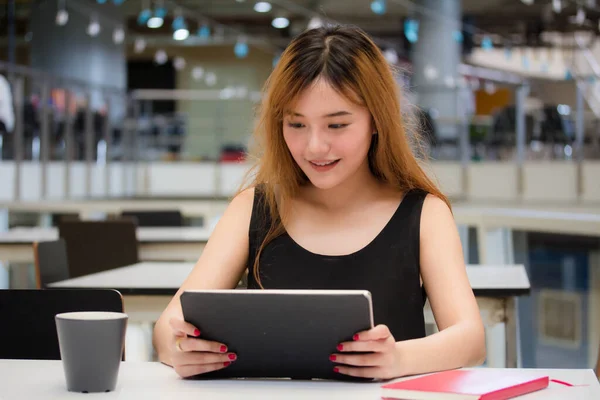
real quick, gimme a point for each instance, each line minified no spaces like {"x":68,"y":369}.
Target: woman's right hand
{"x":192,"y":356}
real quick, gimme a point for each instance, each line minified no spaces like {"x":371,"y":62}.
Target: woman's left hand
{"x":381,"y":360}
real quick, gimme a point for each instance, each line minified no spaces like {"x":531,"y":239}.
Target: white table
{"x":37,"y":379}
{"x":148,"y":287}
{"x":494,"y":225}
{"x":207,"y":207}
{"x":161,"y":243}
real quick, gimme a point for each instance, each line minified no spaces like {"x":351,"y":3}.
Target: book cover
{"x":477,"y":384}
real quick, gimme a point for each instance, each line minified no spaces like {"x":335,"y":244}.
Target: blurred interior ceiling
{"x":513,"y":19}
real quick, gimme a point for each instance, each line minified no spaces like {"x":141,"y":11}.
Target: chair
{"x":96,"y":246}
{"x":57,"y":218}
{"x":50,"y":260}
{"x":155,"y":218}
{"x":28,"y":326}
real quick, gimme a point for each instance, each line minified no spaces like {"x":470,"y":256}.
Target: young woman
{"x":338,"y":201}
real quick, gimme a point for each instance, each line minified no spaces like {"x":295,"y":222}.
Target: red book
{"x":477,"y":384}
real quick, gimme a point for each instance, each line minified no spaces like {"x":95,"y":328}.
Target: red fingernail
{"x":336,"y":369}
{"x":332,"y":357}
{"x":232,"y":357}
{"x":226,"y":364}
{"x":196,"y":332}
{"x":340,"y":347}
{"x":223,"y":349}
{"x":355,"y":337}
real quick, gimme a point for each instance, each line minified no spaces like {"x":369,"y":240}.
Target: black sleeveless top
{"x":388,"y":266}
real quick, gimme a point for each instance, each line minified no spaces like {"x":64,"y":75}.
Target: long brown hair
{"x":353,"y":65}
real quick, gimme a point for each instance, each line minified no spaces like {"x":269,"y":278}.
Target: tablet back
{"x":279,"y":333}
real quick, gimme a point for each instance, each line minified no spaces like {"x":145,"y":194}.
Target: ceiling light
{"x":227,"y":93}
{"x":204,"y":31}
{"x":155,"y":22}
{"x":378,"y":7}
{"x":487,"y":43}
{"x":197,"y":73}
{"x":181,"y":34}
{"x":391,"y":56}
{"x":580,"y":17}
{"x":262,"y":7}
{"x":178,"y":23}
{"x":160,"y":57}
{"x":118,"y":35}
{"x":314,"y":23}
{"x":411,"y":30}
{"x":527,"y":2}
{"x":180,"y":28}
{"x":210,"y":79}
{"x":93,"y":28}
{"x":179,"y":63}
{"x":62,"y":17}
{"x":430,"y":72}
{"x":160,"y":12}
{"x":144,"y":16}
{"x":563,"y":109}
{"x":557,"y":6}
{"x":241,"y":49}
{"x":280,"y":22}
{"x":139,"y":45}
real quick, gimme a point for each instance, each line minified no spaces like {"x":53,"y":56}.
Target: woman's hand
{"x":191,"y":356}
{"x":381,"y":360}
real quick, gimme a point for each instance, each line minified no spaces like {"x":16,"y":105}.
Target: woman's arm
{"x":460,"y":341}
{"x":220,"y":266}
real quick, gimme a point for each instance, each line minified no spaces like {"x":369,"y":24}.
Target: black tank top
{"x":388,"y":266}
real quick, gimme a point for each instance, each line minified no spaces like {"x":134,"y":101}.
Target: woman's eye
{"x":295,"y":125}
{"x":338,"y":126}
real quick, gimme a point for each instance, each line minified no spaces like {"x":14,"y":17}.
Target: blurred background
{"x":116,"y":106}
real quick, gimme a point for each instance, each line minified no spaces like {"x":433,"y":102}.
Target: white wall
{"x":181,"y":179}
{"x":492,"y":181}
{"x":550,"y":182}
{"x":448,"y":176}
{"x":590,"y":181}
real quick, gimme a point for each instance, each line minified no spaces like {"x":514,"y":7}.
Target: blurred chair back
{"x":50,"y":260}
{"x":155,"y":218}
{"x":58,"y":218}
{"x":96,"y":246}
{"x":29,"y":328}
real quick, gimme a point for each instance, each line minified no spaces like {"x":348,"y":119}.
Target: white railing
{"x":535,"y":182}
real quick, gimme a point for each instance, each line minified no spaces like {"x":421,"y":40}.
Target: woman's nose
{"x":318,"y":143}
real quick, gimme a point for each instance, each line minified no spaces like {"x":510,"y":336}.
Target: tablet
{"x":279,"y":333}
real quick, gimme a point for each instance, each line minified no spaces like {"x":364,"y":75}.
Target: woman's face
{"x":327,"y":135}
